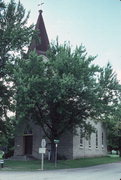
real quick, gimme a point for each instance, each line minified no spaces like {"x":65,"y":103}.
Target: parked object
{"x":1,"y":158}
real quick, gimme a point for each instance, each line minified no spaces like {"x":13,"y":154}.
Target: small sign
{"x":56,"y":141}
{"x":43,"y":143}
{"x":42,"y":150}
{"x":1,"y":154}
{"x":1,"y":161}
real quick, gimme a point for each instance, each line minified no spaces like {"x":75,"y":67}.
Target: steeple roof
{"x":41,"y":45}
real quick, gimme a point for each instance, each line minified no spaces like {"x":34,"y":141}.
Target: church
{"x":28,"y":137}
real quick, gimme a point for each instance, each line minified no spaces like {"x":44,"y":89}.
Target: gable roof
{"x":42,"y":44}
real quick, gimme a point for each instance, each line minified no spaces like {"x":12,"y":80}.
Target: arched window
{"x":81,"y":138}
{"x":97,"y":139}
{"x":89,"y":141}
{"x":102,"y":140}
{"x":28,"y":130}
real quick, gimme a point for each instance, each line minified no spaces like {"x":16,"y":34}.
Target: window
{"x":96,"y":139}
{"x":81,"y":138}
{"x":89,"y":141}
{"x":102,"y":140}
{"x":28,"y":130}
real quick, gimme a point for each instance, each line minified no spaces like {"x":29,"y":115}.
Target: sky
{"x":96,"y":24}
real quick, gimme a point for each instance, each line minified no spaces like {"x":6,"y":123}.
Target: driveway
{"x":100,"y":172}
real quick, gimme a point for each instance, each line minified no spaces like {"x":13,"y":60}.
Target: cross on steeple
{"x":41,"y":4}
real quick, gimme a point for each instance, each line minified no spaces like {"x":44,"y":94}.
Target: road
{"x":100,"y":172}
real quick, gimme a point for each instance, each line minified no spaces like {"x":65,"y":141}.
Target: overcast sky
{"x":94,"y":23}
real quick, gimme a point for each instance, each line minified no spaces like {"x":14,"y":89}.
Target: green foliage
{"x":14,"y":33}
{"x":64,"y":90}
{"x":7,"y":132}
{"x":2,"y":6}
{"x":114,"y":130}
{"x":109,"y":95}
{"x":14,"y":37}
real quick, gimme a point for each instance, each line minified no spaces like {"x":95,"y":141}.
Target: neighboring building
{"x":29,"y":136}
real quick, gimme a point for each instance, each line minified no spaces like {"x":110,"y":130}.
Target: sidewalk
{"x":100,"y":172}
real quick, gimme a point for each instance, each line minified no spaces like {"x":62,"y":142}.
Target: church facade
{"x":28,"y":137}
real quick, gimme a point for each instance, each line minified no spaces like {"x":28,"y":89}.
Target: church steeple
{"x":41,"y":45}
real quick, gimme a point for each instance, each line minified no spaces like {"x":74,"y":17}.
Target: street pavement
{"x":100,"y":172}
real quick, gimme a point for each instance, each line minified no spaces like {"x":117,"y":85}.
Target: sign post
{"x":42,"y":151}
{"x":42,"y":162}
{"x":56,"y":150}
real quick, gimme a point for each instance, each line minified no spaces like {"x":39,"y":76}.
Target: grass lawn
{"x":32,"y":165}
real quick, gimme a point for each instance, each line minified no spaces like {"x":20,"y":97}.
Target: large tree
{"x":14,"y":37}
{"x":2,"y":6}
{"x":64,"y":90}
{"x":114,"y":130}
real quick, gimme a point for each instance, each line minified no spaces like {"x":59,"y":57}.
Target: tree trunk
{"x":119,"y":152}
{"x":120,"y":146}
{"x":52,"y":158}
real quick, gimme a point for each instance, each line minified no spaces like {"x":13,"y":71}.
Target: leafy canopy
{"x":14,"y":37}
{"x":64,"y":90}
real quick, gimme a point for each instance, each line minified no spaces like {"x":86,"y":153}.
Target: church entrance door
{"x":28,"y":143}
